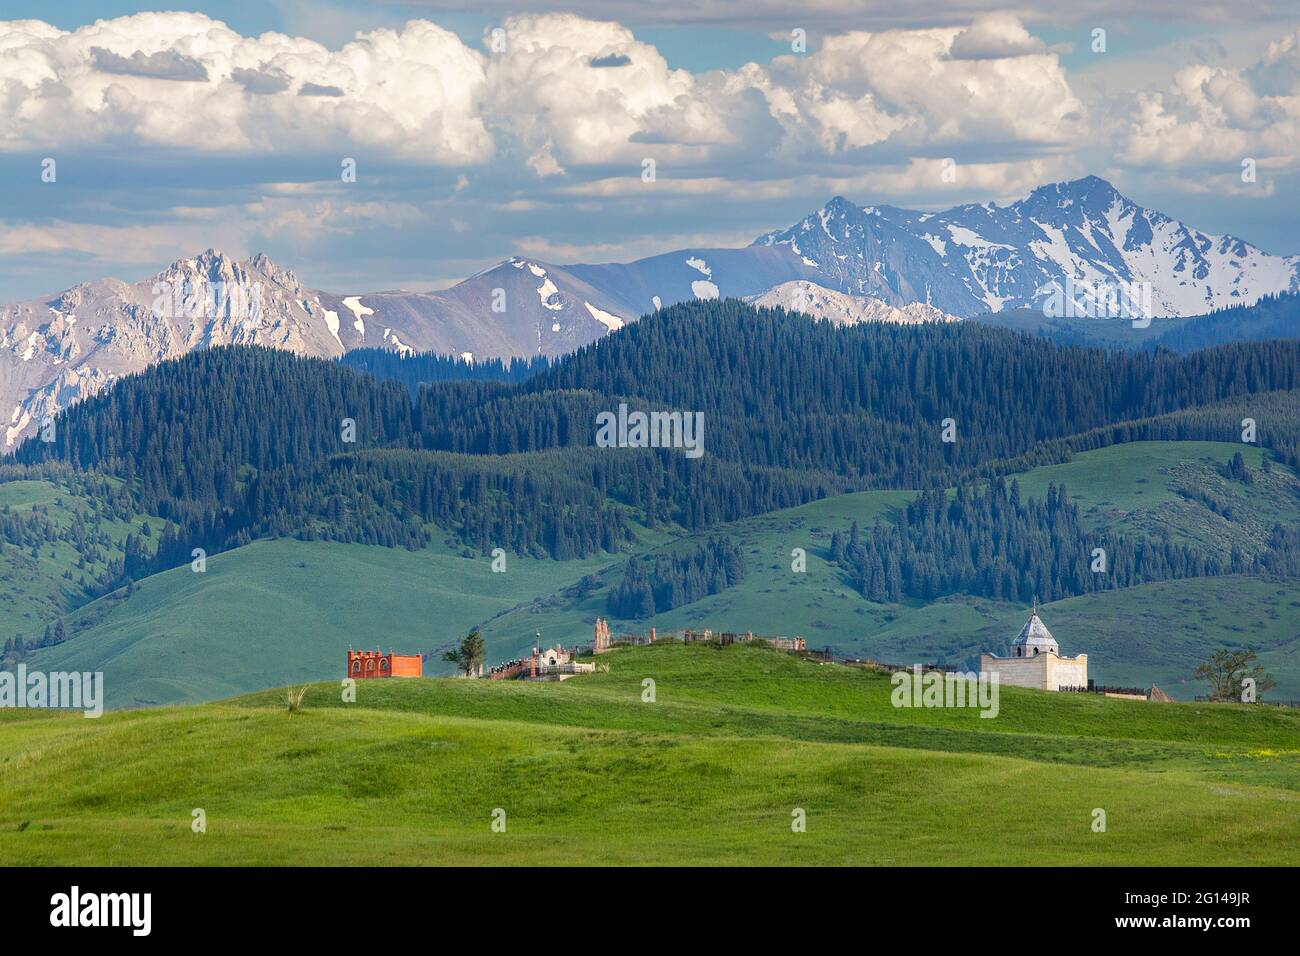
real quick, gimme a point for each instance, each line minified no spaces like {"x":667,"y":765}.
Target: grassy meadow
{"x":587,"y":772}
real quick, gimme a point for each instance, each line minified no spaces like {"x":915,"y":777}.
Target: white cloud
{"x":307,"y":222}
{"x":859,"y":14}
{"x":566,"y":93}
{"x":906,"y":87}
{"x":413,"y":93}
{"x":544,"y":92}
{"x":133,"y":244}
{"x":859,"y":94}
{"x":921,"y":182}
{"x":1213,"y":116}
{"x":993,"y":36}
{"x":552,"y":132}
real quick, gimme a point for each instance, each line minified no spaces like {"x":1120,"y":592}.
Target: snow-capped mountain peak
{"x":1080,"y":242}
{"x":55,"y":351}
{"x":1083,"y":235}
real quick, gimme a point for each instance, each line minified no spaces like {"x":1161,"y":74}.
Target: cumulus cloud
{"x":859,"y":94}
{"x":1278,"y":72}
{"x":994,"y":36}
{"x":565,"y":93}
{"x":907,"y":88}
{"x":412,"y":93}
{"x":546,"y":132}
{"x":860,"y":14}
{"x":542,"y":94}
{"x":1215,"y":116}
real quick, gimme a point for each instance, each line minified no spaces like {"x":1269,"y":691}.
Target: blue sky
{"x":227,"y":125}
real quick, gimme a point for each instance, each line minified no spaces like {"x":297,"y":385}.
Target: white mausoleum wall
{"x":1041,"y":671}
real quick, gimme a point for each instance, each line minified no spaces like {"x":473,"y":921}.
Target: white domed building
{"x":1036,"y":661}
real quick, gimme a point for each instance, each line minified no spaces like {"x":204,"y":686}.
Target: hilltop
{"x":711,"y":772}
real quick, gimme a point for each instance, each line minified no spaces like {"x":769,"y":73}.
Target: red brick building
{"x":363,"y":664}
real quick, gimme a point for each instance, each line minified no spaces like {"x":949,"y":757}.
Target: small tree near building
{"x":469,"y":656}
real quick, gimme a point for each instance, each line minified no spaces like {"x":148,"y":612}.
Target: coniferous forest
{"x":235,"y":443}
{"x":653,"y":587}
{"x":992,"y":543}
{"x":423,"y":368}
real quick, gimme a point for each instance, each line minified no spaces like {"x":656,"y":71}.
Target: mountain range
{"x":843,"y":263}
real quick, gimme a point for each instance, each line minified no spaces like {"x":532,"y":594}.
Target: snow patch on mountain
{"x":968,"y":237}
{"x":610,"y":321}
{"x":332,"y":323}
{"x":550,"y":296}
{"x":359,"y":313}
{"x":398,"y":345}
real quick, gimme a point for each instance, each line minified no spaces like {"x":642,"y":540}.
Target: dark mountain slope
{"x":234,"y":443}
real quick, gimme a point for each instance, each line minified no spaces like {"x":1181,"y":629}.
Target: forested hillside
{"x":992,"y":543}
{"x":1272,"y":317}
{"x":670,"y":581}
{"x":424,"y":368}
{"x":232,"y":444}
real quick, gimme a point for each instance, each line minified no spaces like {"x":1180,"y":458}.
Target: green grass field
{"x":1151,"y":633}
{"x":711,"y":772}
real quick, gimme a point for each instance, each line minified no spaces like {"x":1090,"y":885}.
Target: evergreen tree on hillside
{"x":668,"y":582}
{"x":469,"y":656}
{"x":1238,"y":471}
{"x":234,"y":443}
{"x":986,"y":541}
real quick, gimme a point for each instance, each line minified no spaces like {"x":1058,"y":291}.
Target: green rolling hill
{"x":284,"y":610}
{"x":711,"y":772}
{"x":1134,"y":636}
{"x":1177,"y":489}
{"x":72,"y":537}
